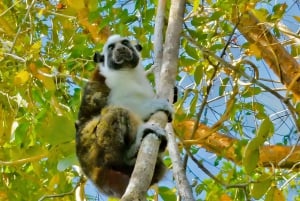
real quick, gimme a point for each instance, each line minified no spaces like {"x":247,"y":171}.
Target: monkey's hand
{"x":143,"y":131}
{"x":156,"y":105}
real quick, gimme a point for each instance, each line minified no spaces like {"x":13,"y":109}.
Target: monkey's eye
{"x":125,"y":42}
{"x":111,"y":46}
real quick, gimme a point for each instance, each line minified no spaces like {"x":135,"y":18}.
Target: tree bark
{"x":271,"y":50}
{"x":145,"y":163}
{"x":225,"y":146}
{"x":165,"y":90}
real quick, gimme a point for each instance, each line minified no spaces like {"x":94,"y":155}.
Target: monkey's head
{"x":119,"y":53}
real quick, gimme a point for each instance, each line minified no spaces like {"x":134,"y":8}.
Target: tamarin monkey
{"x":117,"y":102}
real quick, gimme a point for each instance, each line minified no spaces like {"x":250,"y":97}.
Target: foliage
{"x":45,"y":59}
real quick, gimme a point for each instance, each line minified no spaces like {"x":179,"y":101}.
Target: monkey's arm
{"x":94,"y":99}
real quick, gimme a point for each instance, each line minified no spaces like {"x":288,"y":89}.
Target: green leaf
{"x":261,"y":14}
{"x":259,"y":188}
{"x":56,"y":129}
{"x":167,"y":193}
{"x":184,"y":61}
{"x":67,"y":162}
{"x":251,"y":91}
{"x":251,"y":155}
{"x":194,"y":103}
{"x":274,"y":194}
{"x":295,"y":50}
{"x":192,"y":51}
{"x":223,"y":86}
{"x":265,"y":130}
{"x":216,"y":47}
{"x":21,"y":132}
{"x":198,"y":74}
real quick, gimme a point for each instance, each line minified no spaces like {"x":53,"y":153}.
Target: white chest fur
{"x":130,"y":89}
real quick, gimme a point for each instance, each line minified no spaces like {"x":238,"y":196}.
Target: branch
{"x":225,"y":146}
{"x":274,"y":54}
{"x":79,"y":185}
{"x":145,"y":163}
{"x":24,"y":160}
{"x":158,"y":40}
{"x":20,"y":26}
{"x":166,"y":85}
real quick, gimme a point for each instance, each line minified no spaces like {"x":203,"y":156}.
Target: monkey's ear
{"x":98,"y":58}
{"x":138,"y":47}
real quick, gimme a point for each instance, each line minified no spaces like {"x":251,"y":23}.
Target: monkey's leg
{"x":143,"y":130}
{"x":114,"y":134}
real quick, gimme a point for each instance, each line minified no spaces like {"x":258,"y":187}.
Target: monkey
{"x":117,"y":101}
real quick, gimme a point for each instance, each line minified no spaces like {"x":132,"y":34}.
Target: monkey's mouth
{"x":122,"y":54}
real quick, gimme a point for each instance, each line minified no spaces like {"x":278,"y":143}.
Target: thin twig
{"x":205,"y":51}
{"x":206,"y":171}
{"x":63,"y":194}
{"x":15,"y":57}
{"x":4,"y":12}
{"x":24,"y":160}
{"x":20,"y":26}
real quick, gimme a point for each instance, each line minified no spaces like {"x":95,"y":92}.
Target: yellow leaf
{"x":47,"y":82}
{"x":196,"y":5}
{"x":54,"y":182}
{"x":274,"y":194}
{"x":259,"y":188}
{"x":297,"y":18}
{"x":21,"y":77}
{"x":36,"y":47}
{"x":40,"y":14}
{"x":225,"y":197}
{"x":76,"y":4}
{"x":254,"y":50}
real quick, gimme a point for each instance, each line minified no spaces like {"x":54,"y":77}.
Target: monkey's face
{"x":119,"y":53}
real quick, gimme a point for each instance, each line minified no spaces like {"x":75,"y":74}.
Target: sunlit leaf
{"x":56,"y":129}
{"x":279,"y":10}
{"x":21,"y":77}
{"x":76,"y":4}
{"x":223,"y":86}
{"x":265,"y":130}
{"x":20,"y":133}
{"x":251,"y":91}
{"x":193,"y":103}
{"x":54,"y":182}
{"x":196,"y":5}
{"x":191,"y":51}
{"x":254,"y":50}
{"x":36,"y":47}
{"x":251,"y":155}
{"x":112,"y":199}
{"x":198,"y":74}
{"x":295,"y":50}
{"x":167,"y":193}
{"x":274,"y":194}
{"x":259,"y":188}
{"x":297,"y":18}
{"x":47,"y":81}
{"x":261,"y":14}
{"x":225,"y":197}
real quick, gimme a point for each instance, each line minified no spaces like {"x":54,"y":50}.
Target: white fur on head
{"x":129,"y":87}
{"x":112,"y":39}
